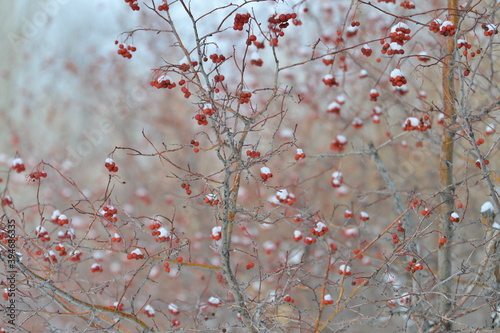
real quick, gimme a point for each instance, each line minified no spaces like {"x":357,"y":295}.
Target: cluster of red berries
{"x":208,"y":109}
{"x":478,"y":163}
{"x":240,"y":20}
{"x":357,"y":123}
{"x":414,"y":124}
{"x":286,"y":198}
{"x":136,"y":254}
{"x":133,"y":4}
{"x":117,"y":306}
{"x":363,"y":216}
{"x":216,"y":233}
{"x":333,"y":107}
{"x":125,"y":51}
{"x":18,"y":165}
{"x":163,"y":7}
{"x":50,"y":257}
{"x":426,"y":212}
{"x":184,"y":67}
{"x":187,"y":188}
{"x":395,"y":238}
{"x":257,"y":62}
{"x":36,"y":175}
{"x":329,"y":80}
{"x":116,"y":238}
{"x":253,"y":153}
{"x":75,"y":256}
{"x":110,"y":165}
{"x":96,"y":268}
{"x":310,"y":240}
{"x":339,"y":143}
{"x":398,"y":80}
{"x":250,"y":265}
{"x":435,"y":25}
{"x":163,"y":81}
{"x":387,"y":49}
{"x":6,"y":201}
{"x":201,"y":118}
{"x":374,"y":95}
{"x":400,"y":33}
{"x":288,"y":299}
{"x":186,"y":92}
{"x":376,"y":112}
{"x":211,"y":199}
{"x":489,"y":29}
{"x":447,"y":28}
{"x":413,"y":266}
{"x":408,"y":4}
{"x":219,"y":78}
{"x":337,"y":181}
{"x":319,"y":230}
{"x":454,"y":217}
{"x":217,"y":58}
{"x":109,"y":213}
{"x":265,"y":173}
{"x":300,"y":154}
{"x":42,"y":234}
{"x":423,"y":57}
{"x":366,"y":50}
{"x":61,"y":249}
{"x":358,"y":253}
{"x":251,"y":39}
{"x":328,"y":60}
{"x":195,"y":144}
{"x":155,"y":225}
{"x":61,"y":220}
{"x":245,"y":97}
{"x":279,"y":22}
{"x":167,"y":266}
{"x":67,"y":234}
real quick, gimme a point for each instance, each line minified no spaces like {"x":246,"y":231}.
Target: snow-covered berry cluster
{"x":216,"y":233}
{"x":408,"y":4}
{"x":265,"y":173}
{"x":337,"y":179}
{"x":110,"y":165}
{"x":42,"y":233}
{"x":366,"y":50}
{"x":18,"y":165}
{"x":109,"y":213}
{"x":285,"y":198}
{"x":415,"y":124}
{"x":447,"y":28}
{"x":397,"y":78}
{"x":374,"y":95}
{"x":211,"y":199}
{"x":164,"y":81}
{"x":490,"y":29}
{"x":300,"y":154}
{"x":136,"y":254}
{"x":339,"y":143}
{"x":329,"y":80}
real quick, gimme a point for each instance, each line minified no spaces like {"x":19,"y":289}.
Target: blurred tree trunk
{"x":446,"y":167}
